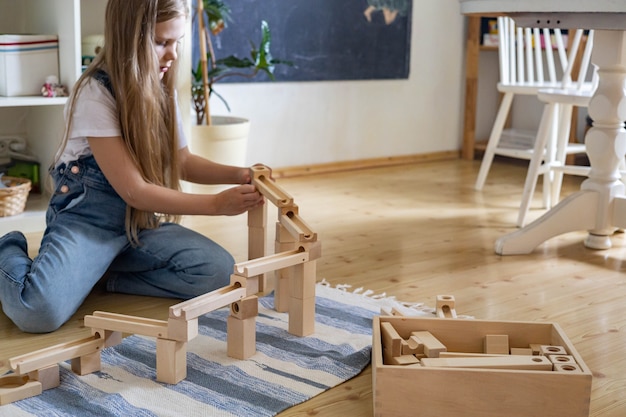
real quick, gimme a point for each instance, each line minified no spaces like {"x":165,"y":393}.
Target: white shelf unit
{"x":40,"y":119}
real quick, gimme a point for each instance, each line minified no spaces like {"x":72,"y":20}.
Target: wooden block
{"x":391,"y":340}
{"x":284,"y":242}
{"x":240,"y":337}
{"x":182,"y":330}
{"x":467,"y":355}
{"x":567,"y":367}
{"x":314,"y":249}
{"x":562,"y":359}
{"x":521,"y":351}
{"x":497,"y":343}
{"x":412,"y":346}
{"x":302,"y":284}
{"x":537,"y":363}
{"x":256,"y":249}
{"x":432,"y":345}
{"x":258,"y":217}
{"x":536,"y":348}
{"x":284,"y":211}
{"x":48,"y":376}
{"x":400,"y":360}
{"x":256,"y":242}
{"x":444,"y":306}
{"x":257,"y":235}
{"x":87,"y":364}
{"x":552,"y":350}
{"x":17,"y":387}
{"x":301,"y":316}
{"x":110,"y":337}
{"x":171,"y":361}
{"x":245,"y":308}
{"x":281,"y":290}
{"x":283,"y":237}
{"x":251,"y":283}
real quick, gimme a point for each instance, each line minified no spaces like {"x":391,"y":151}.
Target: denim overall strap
{"x":103,"y":78}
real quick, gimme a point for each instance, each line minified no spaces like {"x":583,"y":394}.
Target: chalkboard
{"x":325,"y":39}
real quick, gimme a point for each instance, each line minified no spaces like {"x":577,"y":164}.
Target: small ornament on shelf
{"x":52,"y":88}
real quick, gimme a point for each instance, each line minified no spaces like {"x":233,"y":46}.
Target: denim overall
{"x":86,"y":238}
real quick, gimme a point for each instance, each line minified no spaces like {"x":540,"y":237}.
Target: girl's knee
{"x":45,"y":319}
{"x":44,"y":324}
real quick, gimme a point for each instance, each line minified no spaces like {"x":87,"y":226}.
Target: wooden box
{"x":413,"y":390}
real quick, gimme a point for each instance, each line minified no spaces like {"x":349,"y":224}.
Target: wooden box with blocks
{"x":441,"y":367}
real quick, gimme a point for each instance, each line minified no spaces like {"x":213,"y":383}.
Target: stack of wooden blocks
{"x":296,"y":252}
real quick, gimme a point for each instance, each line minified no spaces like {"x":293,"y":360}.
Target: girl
{"x":116,"y":178}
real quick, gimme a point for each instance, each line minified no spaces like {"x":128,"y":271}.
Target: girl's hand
{"x":237,"y":200}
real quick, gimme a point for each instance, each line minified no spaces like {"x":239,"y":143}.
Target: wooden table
{"x":600,"y":205}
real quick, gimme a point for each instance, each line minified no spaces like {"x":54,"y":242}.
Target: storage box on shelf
{"x":25,"y":63}
{"x":401,"y":390}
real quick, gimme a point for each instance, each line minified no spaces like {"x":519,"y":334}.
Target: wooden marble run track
{"x":293,"y":261}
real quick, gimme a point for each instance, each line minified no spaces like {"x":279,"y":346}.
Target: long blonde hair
{"x":146,"y":105}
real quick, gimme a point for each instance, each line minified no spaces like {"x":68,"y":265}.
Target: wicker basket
{"x":13,"y":198}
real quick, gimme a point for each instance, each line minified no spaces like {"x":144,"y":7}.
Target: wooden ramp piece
{"x":537,"y":363}
{"x":266,"y":186}
{"x":445,"y":307}
{"x":59,"y":353}
{"x":127,"y":324}
{"x":269,"y":263}
{"x":203,"y":304}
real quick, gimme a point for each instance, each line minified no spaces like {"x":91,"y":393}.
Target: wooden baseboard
{"x":296,"y":171}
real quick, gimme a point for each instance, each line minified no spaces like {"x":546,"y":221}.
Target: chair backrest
{"x":527,"y":55}
{"x":585,"y":64}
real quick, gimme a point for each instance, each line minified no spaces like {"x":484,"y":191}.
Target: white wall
{"x":308,"y":123}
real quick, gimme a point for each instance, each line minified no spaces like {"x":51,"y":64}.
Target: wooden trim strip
{"x":342,"y":166}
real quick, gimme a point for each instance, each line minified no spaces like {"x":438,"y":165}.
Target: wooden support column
{"x":284,"y":242}
{"x":241,"y":328}
{"x":257,"y":220}
{"x":171,"y":361}
{"x":302,"y":299}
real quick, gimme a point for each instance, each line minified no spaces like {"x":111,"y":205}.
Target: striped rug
{"x":285,"y":371}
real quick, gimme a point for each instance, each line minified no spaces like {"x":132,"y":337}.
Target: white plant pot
{"x":225,"y":141}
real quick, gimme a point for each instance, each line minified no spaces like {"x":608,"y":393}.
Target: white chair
{"x":553,"y":135}
{"x":527,"y":65}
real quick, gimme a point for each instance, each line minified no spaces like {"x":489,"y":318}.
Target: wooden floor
{"x":414,"y":232}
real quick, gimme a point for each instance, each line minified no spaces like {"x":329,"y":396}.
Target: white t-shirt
{"x":95,"y":115}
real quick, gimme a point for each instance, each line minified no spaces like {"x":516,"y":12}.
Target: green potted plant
{"x":223,"y":138}
{"x":212,"y":17}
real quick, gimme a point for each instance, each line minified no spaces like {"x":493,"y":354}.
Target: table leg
{"x":599,"y":206}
